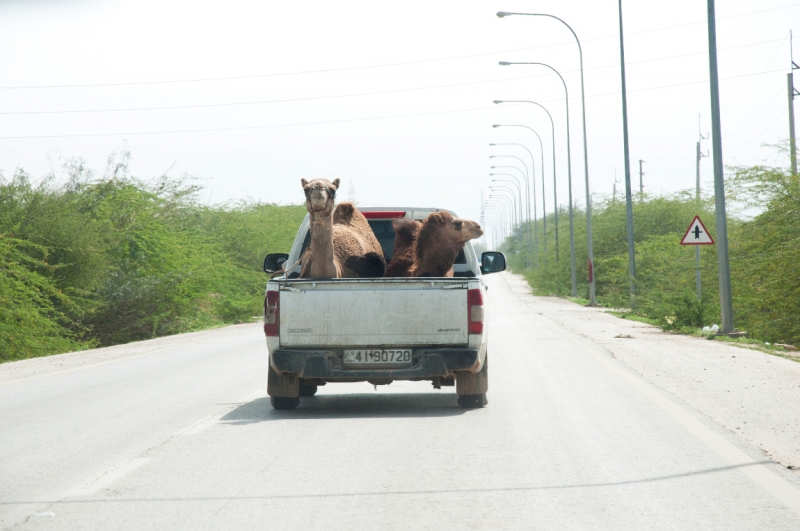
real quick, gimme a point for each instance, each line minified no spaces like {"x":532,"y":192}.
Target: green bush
{"x":764,"y":257}
{"x":100,"y":261}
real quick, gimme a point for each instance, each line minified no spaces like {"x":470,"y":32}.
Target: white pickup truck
{"x":377,"y":329}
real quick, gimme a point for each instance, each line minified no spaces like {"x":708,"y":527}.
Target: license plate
{"x":378,"y":356}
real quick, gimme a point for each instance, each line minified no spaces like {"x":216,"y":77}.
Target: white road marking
{"x":106,"y":478}
{"x":43,"y":515}
{"x":201,"y":425}
{"x":781,"y":489}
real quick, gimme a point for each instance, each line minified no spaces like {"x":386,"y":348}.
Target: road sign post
{"x":697,"y":235}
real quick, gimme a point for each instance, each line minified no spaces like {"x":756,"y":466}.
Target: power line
{"x":363,"y":67}
{"x":244,"y":128}
{"x":356,"y":94}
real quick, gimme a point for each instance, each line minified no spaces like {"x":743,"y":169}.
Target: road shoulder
{"x":750,"y":393}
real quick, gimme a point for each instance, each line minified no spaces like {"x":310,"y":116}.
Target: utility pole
{"x":614,"y":193}
{"x":700,"y":155}
{"x":725,"y":296}
{"x":628,"y":203}
{"x":792,"y":93}
{"x":641,"y":182}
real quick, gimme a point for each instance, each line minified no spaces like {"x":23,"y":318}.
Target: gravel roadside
{"x":752,"y":394}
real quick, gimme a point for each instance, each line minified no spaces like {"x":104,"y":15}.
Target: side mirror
{"x":492,"y":262}
{"x":274,"y":262}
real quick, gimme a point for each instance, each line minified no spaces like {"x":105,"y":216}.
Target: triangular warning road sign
{"x":697,"y":234}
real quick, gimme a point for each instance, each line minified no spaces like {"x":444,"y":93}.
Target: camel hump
{"x":439,"y":218}
{"x":406,"y":231}
{"x":345,"y":212}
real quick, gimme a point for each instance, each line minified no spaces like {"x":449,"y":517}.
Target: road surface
{"x":178,"y":434}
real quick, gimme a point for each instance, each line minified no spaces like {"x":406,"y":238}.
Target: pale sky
{"x":393,"y":97}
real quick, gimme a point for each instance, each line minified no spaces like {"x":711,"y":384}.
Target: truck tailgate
{"x":373,"y":312}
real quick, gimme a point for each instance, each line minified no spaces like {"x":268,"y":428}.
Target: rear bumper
{"x":327,"y":364}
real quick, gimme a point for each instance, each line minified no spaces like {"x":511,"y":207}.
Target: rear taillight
{"x":272,"y":319}
{"x":475,"y":311}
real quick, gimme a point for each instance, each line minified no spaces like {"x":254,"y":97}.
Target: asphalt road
{"x":178,"y":434}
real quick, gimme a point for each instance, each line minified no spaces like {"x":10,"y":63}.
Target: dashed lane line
{"x":105,"y":478}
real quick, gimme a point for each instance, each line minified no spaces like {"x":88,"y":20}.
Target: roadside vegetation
{"x":90,"y":261}
{"x":764,"y":257}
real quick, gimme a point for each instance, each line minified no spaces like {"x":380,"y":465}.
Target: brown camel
{"x":342,"y":242}
{"x":405,"y":242}
{"x":440,"y":239}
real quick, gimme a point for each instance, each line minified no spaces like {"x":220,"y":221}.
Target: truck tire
{"x":472,"y":401}
{"x":284,"y":402}
{"x":282,"y":385}
{"x":472,"y":388}
{"x":307,"y":389}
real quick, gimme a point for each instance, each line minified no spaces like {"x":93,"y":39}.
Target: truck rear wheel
{"x":472,"y":388}
{"x":284,"y":402}
{"x":472,"y":401}
{"x":307,"y":389}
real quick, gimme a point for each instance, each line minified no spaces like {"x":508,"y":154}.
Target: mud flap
{"x":468,"y":383}
{"x":285,"y":385}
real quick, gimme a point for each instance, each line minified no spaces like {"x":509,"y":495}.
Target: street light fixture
{"x":528,"y":238}
{"x":497,"y":216}
{"x":533,"y":181}
{"x":532,"y":238}
{"x":511,"y":203}
{"x":502,"y":188}
{"x":501,"y":14}
{"x":528,"y":176}
{"x":555,"y":187}
{"x":535,"y":241}
{"x":493,"y":174}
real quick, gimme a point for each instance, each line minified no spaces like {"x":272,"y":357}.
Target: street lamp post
{"x":512,"y":206}
{"x":555,"y":190}
{"x":509,"y":208}
{"x":500,"y":211}
{"x":726,"y":303}
{"x":493,"y":174}
{"x":496,"y":218}
{"x":529,"y":175}
{"x":628,"y":201}
{"x":533,"y":178}
{"x":592,"y":298}
{"x":573,"y":273}
{"x":499,"y":188}
{"x":535,"y":240}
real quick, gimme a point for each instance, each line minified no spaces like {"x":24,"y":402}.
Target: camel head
{"x":320,"y":194}
{"x":455,"y":230}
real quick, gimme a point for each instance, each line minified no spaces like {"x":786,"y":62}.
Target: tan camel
{"x":405,"y":242}
{"x":342,"y":242}
{"x":440,"y":239}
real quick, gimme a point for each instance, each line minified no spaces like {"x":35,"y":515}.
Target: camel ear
{"x":304,"y":182}
{"x":335,"y":183}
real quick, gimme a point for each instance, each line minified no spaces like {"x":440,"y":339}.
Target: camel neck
{"x":321,"y":246}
